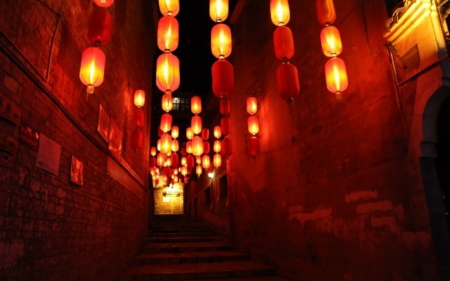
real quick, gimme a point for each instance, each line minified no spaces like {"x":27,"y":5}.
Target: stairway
{"x":179,"y":249}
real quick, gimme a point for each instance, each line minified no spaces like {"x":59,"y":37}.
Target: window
{"x":181,"y":104}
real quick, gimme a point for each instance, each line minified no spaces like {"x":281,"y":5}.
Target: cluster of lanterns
{"x":253,"y":126}
{"x":93,"y":59}
{"x":137,"y":137}
{"x":330,"y":38}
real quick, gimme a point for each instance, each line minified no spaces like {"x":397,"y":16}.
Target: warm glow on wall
{"x":217,"y":132}
{"x":330,"y":39}
{"x":336,"y":76}
{"x":279,"y":12}
{"x":206,"y":162}
{"x":167,"y":101}
{"x":92,"y":69}
{"x":166,"y":122}
{"x":217,"y":146}
{"x":221,"y":42}
{"x":197,"y":146}
{"x":175,"y":132}
{"x":167,"y":72}
{"x":104,"y":3}
{"x":196,"y":124}
{"x":169,"y":7}
{"x":196,"y":105}
{"x":189,"y":133}
{"x":166,"y":143}
{"x":168,"y":34}
{"x":253,"y":125}
{"x":218,"y":10}
{"x":252,"y":105}
{"x":217,"y":161}
{"x":139,"y":98}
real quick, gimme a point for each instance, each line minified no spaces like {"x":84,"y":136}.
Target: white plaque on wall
{"x":49,"y":154}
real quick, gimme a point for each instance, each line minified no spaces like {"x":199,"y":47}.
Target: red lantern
{"x":206,"y":162}
{"x":330,"y":39}
{"x":205,"y":134}
{"x":184,"y":170}
{"x":206,"y":147}
{"x":217,"y":146}
{"x":253,"y":125}
{"x":153,"y":151}
{"x":225,"y":125}
{"x":139,"y":98}
{"x":189,"y":133}
{"x":92,"y":69}
{"x":160,"y":132}
{"x":175,"y":146}
{"x":218,"y":10}
{"x":283,"y":43}
{"x":279,"y":12}
{"x":137,"y":138}
{"x":167,"y":72}
{"x":190,"y":161}
{"x":326,"y":13}
{"x":169,"y":7}
{"x":198,"y":170}
{"x":222,"y":78}
{"x":196,"y":124}
{"x":161,"y":159}
{"x":336,"y":76}
{"x":183,"y":161}
{"x":226,"y":147}
{"x":167,"y":101}
{"x":252,"y":105}
{"x":217,"y":161}
{"x":197,"y":146}
{"x":100,"y":26}
{"x":158,"y":144}
{"x":166,"y":122}
{"x":174,"y":160}
{"x":167,"y":34}
{"x":217,"y":132}
{"x":287,"y":81}
{"x":166,"y":143}
{"x":225,"y":106}
{"x":196,"y":105}
{"x":253,"y":146}
{"x":221,"y":44}
{"x":104,"y":3}
{"x":189,"y":147}
{"x":175,"y":132}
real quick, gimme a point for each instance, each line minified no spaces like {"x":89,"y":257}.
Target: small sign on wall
{"x":76,"y":171}
{"x":9,"y":110}
{"x":103,"y":123}
{"x":49,"y":154}
{"x":115,"y":139}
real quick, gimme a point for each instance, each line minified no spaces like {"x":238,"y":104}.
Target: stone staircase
{"x":179,"y":249}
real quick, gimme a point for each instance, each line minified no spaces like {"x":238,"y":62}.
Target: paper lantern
{"x":169,"y":7}
{"x":221,"y":43}
{"x":217,"y":132}
{"x":252,"y":105}
{"x":287,"y":81}
{"x":92,"y":69}
{"x":283,"y":43}
{"x":225,"y":125}
{"x":100,"y":26}
{"x":205,"y":134}
{"x":330,"y":39}
{"x":198,"y":160}
{"x":183,"y":161}
{"x":104,"y":3}
{"x":206,"y":162}
{"x":336,"y":76}
{"x":190,"y":162}
{"x":175,"y":132}
{"x":139,"y":98}
{"x":137,"y":138}
{"x":196,"y":105}
{"x":138,"y":117}
{"x":158,"y":144}
{"x":217,"y":146}
{"x":189,"y":133}
{"x":198,"y":170}
{"x":161,"y":159}
{"x":153,"y":151}
{"x":197,"y":146}
{"x":167,"y":34}
{"x":175,"y":145}
{"x":166,"y":143}
{"x":189,"y":147}
{"x":217,"y":160}
{"x":253,"y":146}
{"x":279,"y":12}
{"x":218,"y":10}
{"x":167,"y":72}
{"x":166,"y":122}
{"x":222,"y":78}
{"x":174,"y":159}
{"x":184,"y":170}
{"x":225,"y":107}
{"x":167,"y":101}
{"x":196,"y":124}
{"x":226,"y":147}
{"x":206,"y":147}
{"x":253,"y":125}
{"x":326,"y":13}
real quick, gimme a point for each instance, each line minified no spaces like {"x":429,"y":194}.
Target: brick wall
{"x":51,"y":228}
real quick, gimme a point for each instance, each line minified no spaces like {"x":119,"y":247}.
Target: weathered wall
{"x":50,"y":228}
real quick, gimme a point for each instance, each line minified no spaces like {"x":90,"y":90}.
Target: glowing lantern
{"x":287,"y":81}
{"x":217,"y":161}
{"x":189,"y":133}
{"x":197,"y":146}
{"x":253,"y":146}
{"x":205,"y":134}
{"x":190,"y":162}
{"x":252,"y":105}
{"x":326,"y":13}
{"x":218,"y":10}
{"x":331,"y":41}
{"x":167,"y":34}
{"x":153,"y":151}
{"x":183,"y":161}
{"x":137,"y":138}
{"x":139,"y":98}
{"x":198,"y":170}
{"x":167,"y":101}
{"x":175,"y":146}
{"x":184,"y":170}
{"x":189,"y":147}
{"x":225,"y":106}
{"x":196,"y":124}
{"x":166,"y":143}
{"x":217,"y":146}
{"x":92,"y":69}
{"x":170,"y":151}
{"x":221,"y":44}
{"x":336,"y":76}
{"x":166,"y":122}
{"x":167,"y":72}
{"x":283,"y":43}
{"x":174,"y":159}
{"x":168,"y":163}
{"x":225,"y":125}
{"x":198,"y":160}
{"x":217,"y":132}
{"x":138,"y":118}
{"x":100,"y":26}
{"x":158,"y":145}
{"x":279,"y":12}
{"x":206,"y":162}
{"x":222,"y":78}
{"x":161,"y":159}
{"x":253,"y":125}
{"x":206,"y":147}
{"x":175,"y":132}
{"x":196,"y":105}
{"x":104,"y":3}
{"x":169,"y":7}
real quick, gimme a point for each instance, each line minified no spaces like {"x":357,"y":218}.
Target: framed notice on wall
{"x":115,"y":139}
{"x":49,"y":154}
{"x":76,"y":171}
{"x":103,"y":123}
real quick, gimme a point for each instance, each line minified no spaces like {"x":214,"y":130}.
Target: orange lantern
{"x":167,"y":72}
{"x":196,"y":124}
{"x":175,"y":145}
{"x":198,"y":160}
{"x":326,"y":13}
{"x":222,"y":78}
{"x":331,"y":41}
{"x":283,"y":43}
{"x":158,"y":144}
{"x":166,"y":122}
{"x":138,"y":118}
{"x":153,"y":151}
{"x":225,"y":125}
{"x":253,"y":146}
{"x":226,"y":147}
{"x":174,"y":159}
{"x":167,"y":34}
{"x":206,"y":147}
{"x":183,"y":161}
{"x":189,"y":133}
{"x":217,"y":132}
{"x":104,"y":3}
{"x":253,"y":125}
{"x":287,"y":81}
{"x":137,"y":138}
{"x":205,"y":134}
{"x":336,"y":76}
{"x":189,"y":147}
{"x":190,"y":162}
{"x":217,"y":161}
{"x":221,"y":44}
{"x":167,"y":101}
{"x":169,"y":7}
{"x":217,"y":146}
{"x":225,"y":106}
{"x":175,"y":132}
{"x":92,"y":69}
{"x":279,"y":12}
{"x":184,"y":170}
{"x":198,"y":170}
{"x":206,"y":162}
{"x":100,"y":26}
{"x":218,"y":10}
{"x":197,"y":146}
{"x":139,"y":98}
{"x":252,"y":105}
{"x":161,"y":159}
{"x":196,"y":105}
{"x":166,"y":143}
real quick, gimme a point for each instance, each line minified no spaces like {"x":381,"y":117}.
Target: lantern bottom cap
{"x":90,"y":89}
{"x":339,"y":96}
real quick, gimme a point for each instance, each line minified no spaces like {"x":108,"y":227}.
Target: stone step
{"x":189,"y":257}
{"x":182,"y":234}
{"x":186,"y":271}
{"x":259,"y":278}
{"x":179,"y":230}
{"x":186,"y":247}
{"x":185,"y":239}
